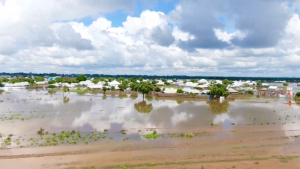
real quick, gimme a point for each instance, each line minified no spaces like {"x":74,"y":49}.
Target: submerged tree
{"x":143,"y":107}
{"x":216,"y":107}
{"x":145,"y":87}
{"x":51,"y":92}
{"x":218,"y":90}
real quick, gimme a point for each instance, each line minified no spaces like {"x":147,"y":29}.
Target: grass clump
{"x":153,"y":135}
{"x":123,"y":166}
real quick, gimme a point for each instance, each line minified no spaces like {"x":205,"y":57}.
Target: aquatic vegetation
{"x":123,"y":132}
{"x":233,"y":124}
{"x":153,"y":135}
{"x":123,"y":166}
{"x":267,"y":102}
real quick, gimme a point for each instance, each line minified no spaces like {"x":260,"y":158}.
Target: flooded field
{"x":40,"y":129}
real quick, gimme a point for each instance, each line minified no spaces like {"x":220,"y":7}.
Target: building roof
{"x":170,"y":90}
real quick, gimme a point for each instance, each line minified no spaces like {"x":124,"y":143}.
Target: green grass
{"x":153,"y":135}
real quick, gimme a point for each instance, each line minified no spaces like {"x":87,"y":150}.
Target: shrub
{"x":51,"y":86}
{"x":285,"y":84}
{"x":157,"y":89}
{"x":179,"y":91}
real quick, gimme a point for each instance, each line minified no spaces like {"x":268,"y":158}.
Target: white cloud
{"x":42,"y":37}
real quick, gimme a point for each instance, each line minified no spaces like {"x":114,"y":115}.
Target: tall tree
{"x":81,"y":78}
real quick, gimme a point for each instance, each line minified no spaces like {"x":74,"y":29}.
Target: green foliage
{"x":194,"y":80}
{"x":81,"y":78}
{"x":4,"y":80}
{"x":258,"y":83}
{"x":179,"y":91}
{"x":143,"y":107}
{"x":110,"y":79}
{"x":153,"y":135}
{"x":17,"y":80}
{"x":123,"y":86}
{"x":218,"y":90}
{"x":39,"y":79}
{"x":154,"y":82}
{"x":145,"y":87}
{"x":226,"y":82}
{"x":285,"y":84}
{"x":51,"y":82}
{"x":104,"y":89}
{"x":59,"y":80}
{"x":249,"y":92}
{"x":113,"y":88}
{"x":297,"y":96}
{"x":157,"y":89}
{"x":1,"y":85}
{"x":52,"y":86}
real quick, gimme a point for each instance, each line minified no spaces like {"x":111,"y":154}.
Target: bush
{"x":113,"y":88}
{"x":51,"y":86}
{"x":157,"y":89}
{"x":51,"y":82}
{"x":285,"y":84}
{"x":179,"y":91}
{"x":250,"y":92}
{"x":297,"y":96}
{"x":1,"y":85}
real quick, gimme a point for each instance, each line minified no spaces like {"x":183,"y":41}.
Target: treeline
{"x":264,"y":79}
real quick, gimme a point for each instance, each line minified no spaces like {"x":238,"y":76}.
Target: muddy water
{"x":23,"y":113}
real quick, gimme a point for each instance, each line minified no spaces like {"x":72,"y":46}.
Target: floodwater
{"x":23,"y":113}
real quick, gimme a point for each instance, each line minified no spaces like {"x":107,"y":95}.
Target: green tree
{"x":113,"y":88}
{"x":297,"y":96}
{"x":123,"y":86}
{"x":194,"y":80}
{"x":179,"y":91}
{"x":104,"y":90}
{"x":51,"y":82}
{"x":39,"y":79}
{"x":218,"y":90}
{"x":145,"y":87}
{"x":154,"y":82}
{"x":51,"y":86}
{"x":110,"y":79}
{"x":1,"y":85}
{"x":258,"y":83}
{"x":59,"y":80}
{"x":226,"y":82}
{"x":81,"y":78}
{"x":143,"y":107}
{"x":285,"y":84}
{"x":157,"y":89}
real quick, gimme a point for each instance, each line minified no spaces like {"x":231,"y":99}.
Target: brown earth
{"x":243,"y":149}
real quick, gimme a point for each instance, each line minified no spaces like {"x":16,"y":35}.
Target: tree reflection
{"x":180,"y":101}
{"x":1,"y":91}
{"x":133,"y":96}
{"x":104,"y":97}
{"x":149,"y":97}
{"x":218,"y":108}
{"x":66,"y":100}
{"x":143,"y":107}
{"x":51,"y":92}
{"x":81,"y":93}
{"x":122,"y":95}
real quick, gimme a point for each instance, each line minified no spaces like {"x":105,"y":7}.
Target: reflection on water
{"x":66,"y":100}
{"x":143,"y":107}
{"x":98,"y":112}
{"x":51,"y":92}
{"x":218,"y":108}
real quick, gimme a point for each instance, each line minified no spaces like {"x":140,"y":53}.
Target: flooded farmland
{"x":63,"y":130}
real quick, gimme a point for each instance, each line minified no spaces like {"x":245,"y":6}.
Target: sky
{"x":151,"y":37}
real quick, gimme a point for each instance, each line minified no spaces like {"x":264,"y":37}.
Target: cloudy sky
{"x":154,"y":37}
